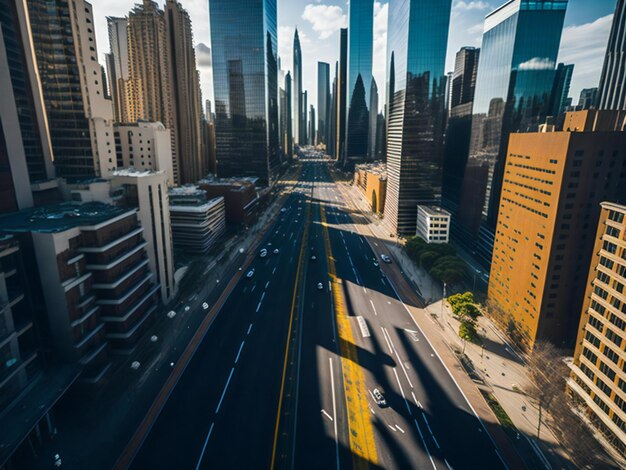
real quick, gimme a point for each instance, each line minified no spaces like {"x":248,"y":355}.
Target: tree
{"x":466,"y":298}
{"x":467,"y":330}
{"x":427,"y":259}
{"x":466,"y":311}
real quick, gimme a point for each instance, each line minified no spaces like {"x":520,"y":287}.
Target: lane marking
{"x":400,"y":429}
{"x":425,"y":445}
{"x":388,"y":344}
{"x":267,"y":283}
{"x":224,"y":392}
{"x":365,"y":331}
{"x":414,"y":397}
{"x":253,"y":287}
{"x":239,"y":353}
{"x":392,"y":428}
{"x":327,"y":415}
{"x":373,"y":308}
{"x":206,"y":441}
{"x":332,"y":388}
{"x":431,"y":431}
{"x":258,"y":307}
{"x":249,"y":329}
{"x":408,"y":408}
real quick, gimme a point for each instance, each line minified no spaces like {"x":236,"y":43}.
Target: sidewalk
{"x":498,"y":369}
{"x":94,"y":430}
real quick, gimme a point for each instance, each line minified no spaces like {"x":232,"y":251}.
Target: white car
{"x":320,"y":286}
{"x":205,"y":306}
{"x":250,"y":273}
{"x":263,"y":253}
{"x":313,"y":257}
{"x":379,"y":398}
{"x":275,"y":251}
{"x":283,"y":210}
{"x":385,"y":258}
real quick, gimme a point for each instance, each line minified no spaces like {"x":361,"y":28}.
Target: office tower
{"x":245,"y":71}
{"x":208,"y":139}
{"x":549,"y":209}
{"x":359,"y":78}
{"x":79,"y":117}
{"x":312,"y":140}
{"x":372,"y":151}
{"x":149,"y":91}
{"x":342,"y":83}
{"x":448,"y":92}
{"x":459,"y":126}
{"x":147,"y":191}
{"x":331,"y":147}
{"x":381,"y":138}
{"x":598,"y":379}
{"x":282,"y":125}
{"x":304,"y":120}
{"x":588,"y":98}
{"x":323,"y":101}
{"x":288,"y":117}
{"x":297,"y":89}
{"x":144,"y":146}
{"x":515,"y":78}
{"x":25,"y":148}
{"x":416,"y":52}
{"x":185,"y":95}
{"x":117,"y":67}
{"x":612,"y":90}
{"x":560,"y":89}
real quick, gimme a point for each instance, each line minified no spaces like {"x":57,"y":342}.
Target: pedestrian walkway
{"x":497,"y":367}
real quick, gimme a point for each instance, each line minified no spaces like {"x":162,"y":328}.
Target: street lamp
{"x":443,"y":298}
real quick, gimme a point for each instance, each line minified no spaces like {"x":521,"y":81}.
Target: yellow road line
{"x":361,"y":430}
{"x":293,"y":307}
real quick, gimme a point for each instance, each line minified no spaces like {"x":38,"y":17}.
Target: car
{"x":205,"y":305}
{"x":250,"y":273}
{"x":283,"y":210}
{"x":385,"y":258}
{"x":379,"y":398}
{"x":320,"y":286}
{"x":275,"y":251}
{"x":263,"y":253}
{"x":313,"y":257}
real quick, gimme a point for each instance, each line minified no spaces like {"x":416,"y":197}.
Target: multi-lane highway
{"x":285,"y":376}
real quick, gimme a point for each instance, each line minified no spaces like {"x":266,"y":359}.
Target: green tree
{"x":428,"y":258}
{"x":467,"y":330}
{"x":467,"y":310}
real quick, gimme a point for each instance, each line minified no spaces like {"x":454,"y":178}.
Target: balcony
{"x":109,"y":233}
{"x":104,"y":261}
{"x":122,"y":323}
{"x":122,"y":237}
{"x":120,"y":285}
{"x":103,"y":276}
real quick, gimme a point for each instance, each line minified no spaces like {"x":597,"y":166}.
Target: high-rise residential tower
{"x":118,"y":67}
{"x":459,"y":126}
{"x":342,"y":80}
{"x":185,"y":95}
{"x":416,"y":53}
{"x":612,"y":91}
{"x":515,"y":79}
{"x":79,"y":116}
{"x":359,"y":78}
{"x":297,"y":89}
{"x":323,"y":101}
{"x":245,"y":80}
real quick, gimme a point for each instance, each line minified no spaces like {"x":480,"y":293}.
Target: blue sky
{"x":587,"y":25}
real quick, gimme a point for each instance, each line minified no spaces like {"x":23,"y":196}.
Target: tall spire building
{"x":297,"y":90}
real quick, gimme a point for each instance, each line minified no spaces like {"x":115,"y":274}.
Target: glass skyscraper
{"x":323,"y":101}
{"x":359,"y":77}
{"x":515,"y":79}
{"x":416,"y":81}
{"x":245,"y":77}
{"x":612,"y":91}
{"x":297,"y":92}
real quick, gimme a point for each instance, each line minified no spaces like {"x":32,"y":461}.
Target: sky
{"x":585,"y":35}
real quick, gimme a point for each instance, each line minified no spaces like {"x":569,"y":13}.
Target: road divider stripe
{"x":424,"y":443}
{"x":206,"y":441}
{"x":230,"y":376}
{"x":239,"y":353}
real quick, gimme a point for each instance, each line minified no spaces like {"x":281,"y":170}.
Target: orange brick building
{"x":371,"y":179}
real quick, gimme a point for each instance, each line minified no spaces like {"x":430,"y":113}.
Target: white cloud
{"x":325,"y":19}
{"x":585,"y":46}
{"x":474,"y":5}
{"x":379,"y":60}
{"x":537,"y":63}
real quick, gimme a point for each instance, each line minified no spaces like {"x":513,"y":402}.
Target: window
{"x":592,"y":339}
{"x":606,"y":370}
{"x":590,"y":355}
{"x":612,"y":355}
{"x":612,"y":336}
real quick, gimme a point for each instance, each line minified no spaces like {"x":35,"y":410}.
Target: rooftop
{"x":375,"y":168}
{"x":189,"y":190}
{"x":59,"y":217}
{"x":434,"y":211}
{"x":134,"y":172}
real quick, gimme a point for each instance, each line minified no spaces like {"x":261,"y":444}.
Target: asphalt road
{"x":266,"y":386}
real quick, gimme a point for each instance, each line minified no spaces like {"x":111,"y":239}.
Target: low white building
{"x":145,"y":146}
{"x":433,"y":224}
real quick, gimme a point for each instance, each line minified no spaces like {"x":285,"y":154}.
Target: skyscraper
{"x":612,"y":91}
{"x":117,"y":67}
{"x":359,"y":78}
{"x":331,"y":146}
{"x":560,"y":89}
{"x":297,"y":89}
{"x":372,"y":151}
{"x":312,"y":129}
{"x":304,"y":130}
{"x":185,"y":95}
{"x":588,"y":98}
{"x":459,"y":126}
{"x":323,"y":101}
{"x":288,"y":117}
{"x":416,"y":53}
{"x":342,"y":79}
{"x":245,"y":76}
{"x":79,"y":116}
{"x":515,"y":78}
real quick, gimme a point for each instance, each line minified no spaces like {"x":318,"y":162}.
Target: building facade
{"x":433,"y":224}
{"x":118,"y":67}
{"x":246,"y":88}
{"x":323,"y":102}
{"x":372,"y":150}
{"x":416,"y":52}
{"x":371,"y":179}
{"x":359,"y":79}
{"x":340,"y":100}
{"x":515,"y":79}
{"x":612,"y":90}
{"x":553,"y":184}
{"x":598,"y":379}
{"x":298,"y":111}
{"x":80,"y":118}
